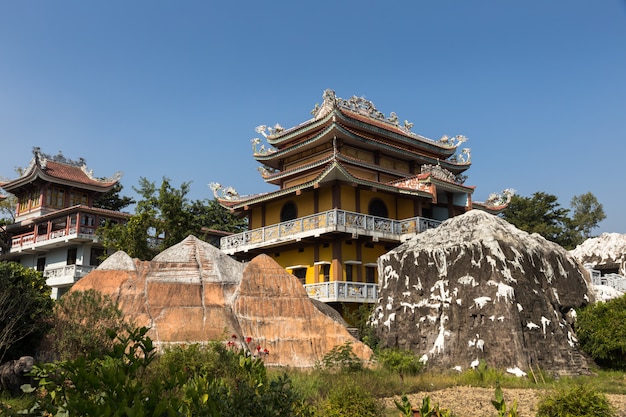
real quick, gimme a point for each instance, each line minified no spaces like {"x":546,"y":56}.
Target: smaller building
{"x":56,"y":219}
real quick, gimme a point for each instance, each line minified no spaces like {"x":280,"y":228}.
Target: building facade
{"x":352,"y":184}
{"x":56,"y":220}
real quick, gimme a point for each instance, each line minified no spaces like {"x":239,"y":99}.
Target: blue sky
{"x":176,"y":89}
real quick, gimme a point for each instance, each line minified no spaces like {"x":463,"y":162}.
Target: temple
{"x":56,"y":219}
{"x":352,"y":185}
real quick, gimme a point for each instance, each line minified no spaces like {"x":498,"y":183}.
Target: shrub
{"x":127,"y":381}
{"x":403,"y":362}
{"x":82,"y":321}
{"x":350,"y":399}
{"x":576,"y":401}
{"x":601,"y":331}
{"x":341,"y":358}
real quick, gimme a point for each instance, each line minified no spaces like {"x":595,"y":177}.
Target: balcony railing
{"x":28,"y":239}
{"x":343,"y":292}
{"x":66,"y":275}
{"x":326,"y":222}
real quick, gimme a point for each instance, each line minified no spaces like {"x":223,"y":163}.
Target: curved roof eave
{"x":335,"y":171}
{"x":456,"y":168}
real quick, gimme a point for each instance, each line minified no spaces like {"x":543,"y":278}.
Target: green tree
{"x":587,"y":213}
{"x":82,"y":322}
{"x":601,"y":332}
{"x":211,"y":215}
{"x":112,"y":200}
{"x":25,"y":304}
{"x":163,"y":217}
{"x":542,"y":214}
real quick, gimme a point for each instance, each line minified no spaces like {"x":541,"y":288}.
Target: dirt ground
{"x":476,"y":402}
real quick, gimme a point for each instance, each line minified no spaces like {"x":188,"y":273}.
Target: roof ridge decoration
{"x":42,"y":160}
{"x":358,"y":105}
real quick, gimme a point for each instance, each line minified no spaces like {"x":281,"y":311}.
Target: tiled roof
{"x":74,"y":174}
{"x":58,"y":169}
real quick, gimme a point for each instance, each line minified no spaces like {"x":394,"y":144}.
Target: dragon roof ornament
{"x":223,"y":193}
{"x":499,"y":199}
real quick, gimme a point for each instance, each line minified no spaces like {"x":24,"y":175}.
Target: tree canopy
{"x":542,"y":214}
{"x":112,"y":200}
{"x":164,"y":216}
{"x":25,"y":304}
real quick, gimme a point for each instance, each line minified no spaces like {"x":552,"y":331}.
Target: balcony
{"x":66,"y":275}
{"x":343,"y":292}
{"x":326,"y":222}
{"x":52,"y":239}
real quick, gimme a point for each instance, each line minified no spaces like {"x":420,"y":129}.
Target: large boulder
{"x":606,"y":253}
{"x":477,"y":288}
{"x":193,"y":293}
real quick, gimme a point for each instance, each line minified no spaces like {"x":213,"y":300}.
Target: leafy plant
{"x":576,"y":401}
{"x":426,"y":410}
{"x":342,"y":358}
{"x":500,"y":404}
{"x":403,"y":362}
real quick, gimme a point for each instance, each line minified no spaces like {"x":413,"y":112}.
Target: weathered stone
{"x":477,"y":288}
{"x":606,"y":252}
{"x":13,"y":374}
{"x":193,"y":293}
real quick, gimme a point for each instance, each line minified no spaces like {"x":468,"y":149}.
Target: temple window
{"x":324,"y":271}
{"x":78,"y":199}
{"x":370,"y":274}
{"x":300,"y":273}
{"x":349,"y":272}
{"x":55,"y":197}
{"x":377,"y":208}
{"x":71,"y":256}
{"x":288,"y":212}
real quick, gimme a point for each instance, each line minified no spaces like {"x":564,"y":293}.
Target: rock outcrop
{"x":193,"y":293}
{"x":477,"y":288}
{"x":606,"y":252}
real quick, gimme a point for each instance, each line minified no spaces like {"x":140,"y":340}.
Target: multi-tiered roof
{"x":350,"y":140}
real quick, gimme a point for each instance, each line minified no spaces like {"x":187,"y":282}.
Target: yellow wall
{"x":389,"y":200}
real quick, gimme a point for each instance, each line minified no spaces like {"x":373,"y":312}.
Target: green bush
{"x":576,"y":401}
{"x":341,"y":358}
{"x":350,"y":399}
{"x":129,"y":381}
{"x":601,"y":331}
{"x":403,"y":362}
